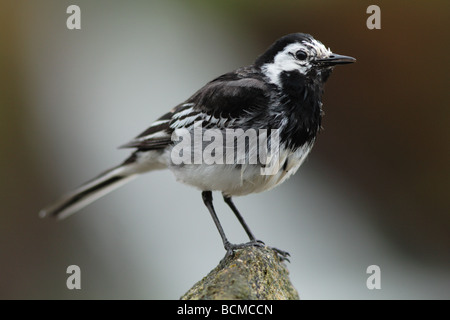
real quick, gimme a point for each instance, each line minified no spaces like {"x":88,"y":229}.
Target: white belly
{"x":237,"y":180}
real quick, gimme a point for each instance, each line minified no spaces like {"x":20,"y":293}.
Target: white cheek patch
{"x":284,"y":61}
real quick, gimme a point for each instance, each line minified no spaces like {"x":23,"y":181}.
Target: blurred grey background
{"x":375,"y":189}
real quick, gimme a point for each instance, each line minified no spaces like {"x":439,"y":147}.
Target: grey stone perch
{"x":252,"y":273}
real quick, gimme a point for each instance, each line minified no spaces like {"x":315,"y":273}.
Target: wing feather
{"x":219,"y":103}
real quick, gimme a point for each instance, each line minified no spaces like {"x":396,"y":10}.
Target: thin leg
{"x":230,"y":203}
{"x":208,"y":200}
{"x":282,"y":255}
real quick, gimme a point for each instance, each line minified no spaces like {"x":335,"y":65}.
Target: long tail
{"x":88,"y":192}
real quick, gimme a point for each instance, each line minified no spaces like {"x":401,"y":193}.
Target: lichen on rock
{"x":251,"y":273}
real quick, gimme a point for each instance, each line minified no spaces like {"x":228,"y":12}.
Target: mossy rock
{"x":251,"y":273}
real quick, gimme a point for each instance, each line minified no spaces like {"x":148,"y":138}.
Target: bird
{"x":278,"y":97}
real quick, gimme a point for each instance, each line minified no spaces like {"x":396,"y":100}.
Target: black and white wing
{"x":219,"y":104}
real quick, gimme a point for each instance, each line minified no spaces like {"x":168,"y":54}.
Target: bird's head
{"x":299,"y":53}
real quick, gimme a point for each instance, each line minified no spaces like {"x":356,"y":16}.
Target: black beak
{"x":335,"y":59}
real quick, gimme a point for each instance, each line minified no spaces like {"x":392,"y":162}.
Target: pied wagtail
{"x":281,"y":90}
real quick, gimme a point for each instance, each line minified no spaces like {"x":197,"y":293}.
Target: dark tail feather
{"x":87,"y":193}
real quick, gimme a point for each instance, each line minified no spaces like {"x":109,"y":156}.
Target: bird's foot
{"x":281,"y":254}
{"x":230,"y":248}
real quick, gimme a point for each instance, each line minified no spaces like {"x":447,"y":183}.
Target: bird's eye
{"x":301,"y":55}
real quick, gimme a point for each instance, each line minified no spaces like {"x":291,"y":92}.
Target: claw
{"x":254,"y":243}
{"x":282,"y":255}
{"x":230,"y":248}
